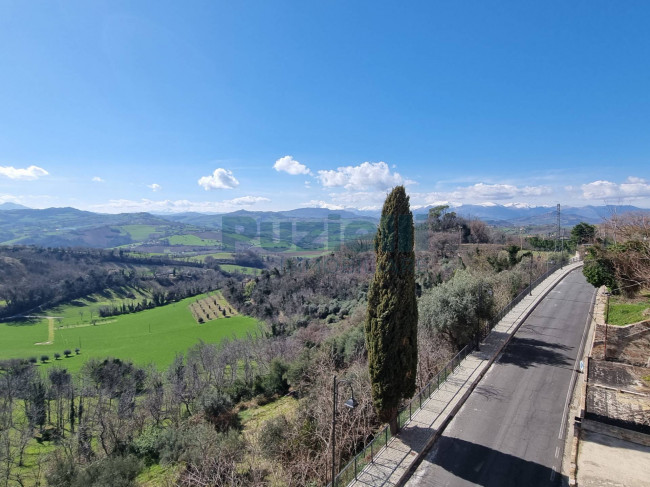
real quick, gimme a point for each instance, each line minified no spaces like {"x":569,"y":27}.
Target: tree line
{"x":38,"y":278}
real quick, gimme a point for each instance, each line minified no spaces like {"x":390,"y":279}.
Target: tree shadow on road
{"x":530,"y":352}
{"x":480,"y":465}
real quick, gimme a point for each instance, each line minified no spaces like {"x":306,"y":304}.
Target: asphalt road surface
{"x":511,"y":430}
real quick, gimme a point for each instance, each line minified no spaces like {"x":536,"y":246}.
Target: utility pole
{"x":350,"y":403}
{"x":478,"y":317}
{"x":530,"y":276}
{"x":557,"y":240}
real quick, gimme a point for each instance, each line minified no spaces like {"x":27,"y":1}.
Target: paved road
{"x":511,"y":430}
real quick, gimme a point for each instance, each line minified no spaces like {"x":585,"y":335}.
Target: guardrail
{"x":380,"y":439}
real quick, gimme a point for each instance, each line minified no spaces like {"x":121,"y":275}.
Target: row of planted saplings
{"x":57,"y":356}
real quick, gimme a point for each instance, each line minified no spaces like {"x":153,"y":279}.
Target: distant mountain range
{"x":12,"y":206}
{"x":319,"y":214}
{"x":70,"y":227}
{"x":541,"y":215}
{"x":520,"y":215}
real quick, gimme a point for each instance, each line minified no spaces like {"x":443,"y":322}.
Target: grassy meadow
{"x":624,"y":311}
{"x":253,"y":271}
{"x":150,"y":336}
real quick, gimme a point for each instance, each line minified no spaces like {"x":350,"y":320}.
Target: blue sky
{"x":216,"y":106}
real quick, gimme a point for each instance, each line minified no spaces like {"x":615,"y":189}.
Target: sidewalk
{"x":393,"y":464}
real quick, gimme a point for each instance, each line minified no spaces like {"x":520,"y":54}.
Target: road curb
{"x":598,"y":312}
{"x":420,"y":456}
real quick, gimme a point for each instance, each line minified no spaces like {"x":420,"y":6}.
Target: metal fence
{"x":366,"y":456}
{"x":501,"y":314}
{"x":380,"y":439}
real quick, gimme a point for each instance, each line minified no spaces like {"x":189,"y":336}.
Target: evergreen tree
{"x":391,"y":322}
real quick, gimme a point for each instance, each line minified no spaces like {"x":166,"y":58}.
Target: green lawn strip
{"x":150,"y":336}
{"x":215,"y":255}
{"x":240,"y":269}
{"x":192,"y":240}
{"x":624,"y":312}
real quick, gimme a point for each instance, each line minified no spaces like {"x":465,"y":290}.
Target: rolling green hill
{"x":152,"y":336}
{"x":185,"y":234}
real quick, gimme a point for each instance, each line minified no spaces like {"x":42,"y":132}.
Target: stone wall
{"x":628,"y":344}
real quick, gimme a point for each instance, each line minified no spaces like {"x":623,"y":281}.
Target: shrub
{"x":217,"y":408}
{"x":33,"y":360}
{"x":67,"y":352}
{"x":276,"y":381}
{"x":45,"y":358}
{"x":598,"y":269}
{"x":57,"y":355}
{"x":273,"y":436}
{"x":62,"y":471}
{"x":146,"y":445}
{"x":77,"y":350}
{"x":452,"y":308}
{"x":118,"y":471}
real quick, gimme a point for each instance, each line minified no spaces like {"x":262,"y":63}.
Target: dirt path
{"x":50,"y":331}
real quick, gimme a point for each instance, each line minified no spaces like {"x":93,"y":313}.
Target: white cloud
{"x":321,"y":204}
{"x":499,"y":191}
{"x":481,"y":193}
{"x":289,"y":165}
{"x":154,"y":187}
{"x":364,"y":176}
{"x":28,"y":174}
{"x":632,"y":188}
{"x":361,"y":200}
{"x":97,"y":179}
{"x":176,"y":206}
{"x":219,"y":179}
{"x":7,"y":198}
{"x":247,"y":200}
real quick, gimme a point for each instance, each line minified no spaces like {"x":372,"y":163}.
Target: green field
{"x":625,"y":312}
{"x":86,"y":310}
{"x":192,"y":240}
{"x":139,"y":232}
{"x":216,"y":255}
{"x":151,"y":336}
{"x":241,"y":269}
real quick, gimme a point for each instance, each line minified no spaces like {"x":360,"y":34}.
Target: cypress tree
{"x":391,"y":322}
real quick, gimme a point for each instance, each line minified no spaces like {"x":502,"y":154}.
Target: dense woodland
{"x":108,"y":423}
